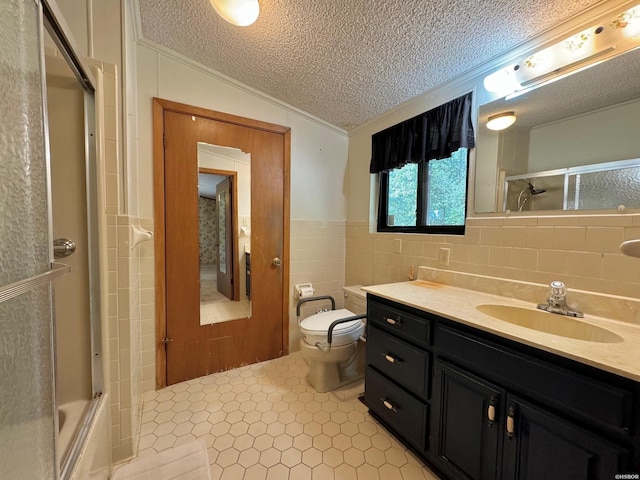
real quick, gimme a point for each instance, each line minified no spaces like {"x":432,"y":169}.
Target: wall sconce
{"x":238,"y":12}
{"x":501,"y":121}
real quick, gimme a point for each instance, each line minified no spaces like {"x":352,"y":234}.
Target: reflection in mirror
{"x":224,"y":190}
{"x":575,"y":144}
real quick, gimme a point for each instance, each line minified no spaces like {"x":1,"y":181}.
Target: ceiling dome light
{"x":501,"y":121}
{"x":239,"y":12}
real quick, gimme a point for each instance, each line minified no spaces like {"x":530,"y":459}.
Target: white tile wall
{"x":317,"y":256}
{"x":130,"y":276}
{"x":582,"y":251}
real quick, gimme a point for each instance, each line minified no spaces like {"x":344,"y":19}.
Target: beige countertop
{"x":459,"y":304}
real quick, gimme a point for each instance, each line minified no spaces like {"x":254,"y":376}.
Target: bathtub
{"x":86,"y":428}
{"x":70,"y":416}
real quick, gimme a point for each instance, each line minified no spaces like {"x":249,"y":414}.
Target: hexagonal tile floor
{"x":263,"y":421}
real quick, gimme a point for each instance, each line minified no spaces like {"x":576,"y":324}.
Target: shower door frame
{"x":53,"y":22}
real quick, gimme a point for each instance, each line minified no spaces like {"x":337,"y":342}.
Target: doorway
{"x":224,"y":248}
{"x":186,"y":348}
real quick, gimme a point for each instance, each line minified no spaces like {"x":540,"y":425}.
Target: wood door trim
{"x":159,"y":243}
{"x":170,"y":106}
{"x":234,"y":233}
{"x":286,"y":241}
{"x":160,"y":106}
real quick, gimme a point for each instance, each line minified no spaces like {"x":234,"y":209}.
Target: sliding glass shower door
{"x":27,"y":423}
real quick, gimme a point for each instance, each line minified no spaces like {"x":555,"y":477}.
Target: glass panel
{"x":23,"y":200}
{"x":447,"y":189}
{"x":606,"y":189}
{"x":27,"y":434}
{"x":26,"y":416}
{"x":403,"y":196}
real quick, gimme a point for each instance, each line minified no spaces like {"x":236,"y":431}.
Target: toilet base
{"x":329,"y":371}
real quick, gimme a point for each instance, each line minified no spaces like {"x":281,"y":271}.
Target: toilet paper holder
{"x":304,"y":290}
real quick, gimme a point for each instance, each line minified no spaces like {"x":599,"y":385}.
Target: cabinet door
{"x":541,"y":445}
{"x":467,"y":424}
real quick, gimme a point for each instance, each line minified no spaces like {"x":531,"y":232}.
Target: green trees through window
{"x":447,"y":190}
{"x":403,"y":196}
{"x":430,"y":197}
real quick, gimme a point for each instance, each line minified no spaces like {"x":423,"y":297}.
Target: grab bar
{"x":312,"y":299}
{"x":335,"y":323}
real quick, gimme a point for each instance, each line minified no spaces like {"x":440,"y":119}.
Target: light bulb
{"x":238,"y":12}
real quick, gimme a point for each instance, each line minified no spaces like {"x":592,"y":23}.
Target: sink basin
{"x":550,"y":323}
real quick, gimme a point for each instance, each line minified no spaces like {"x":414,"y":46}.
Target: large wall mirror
{"x":224,"y":214}
{"x":575,"y":144}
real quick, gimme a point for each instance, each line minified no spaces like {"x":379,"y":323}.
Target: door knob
{"x":63,"y":247}
{"x":276,"y":262}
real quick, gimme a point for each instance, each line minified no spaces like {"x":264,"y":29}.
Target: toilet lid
{"x":319,"y":323}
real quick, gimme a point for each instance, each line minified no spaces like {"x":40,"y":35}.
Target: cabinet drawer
{"x":404,"y":363}
{"x":399,"y":322}
{"x":402,"y":411}
{"x":583,"y":397}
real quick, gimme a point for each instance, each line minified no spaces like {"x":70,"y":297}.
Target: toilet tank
{"x":355,"y":299}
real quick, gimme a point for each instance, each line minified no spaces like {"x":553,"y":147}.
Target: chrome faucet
{"x":557,"y":301}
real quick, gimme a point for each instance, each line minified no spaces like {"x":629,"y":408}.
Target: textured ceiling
{"x":347,"y":61}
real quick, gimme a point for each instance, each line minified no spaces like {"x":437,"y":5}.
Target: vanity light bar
{"x":566,"y":68}
{"x":621,"y":33}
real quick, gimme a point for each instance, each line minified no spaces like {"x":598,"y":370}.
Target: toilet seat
{"x":315,"y":328}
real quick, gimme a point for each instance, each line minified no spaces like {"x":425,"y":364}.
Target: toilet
{"x":344,"y":362}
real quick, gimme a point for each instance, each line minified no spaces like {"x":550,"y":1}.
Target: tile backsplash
{"x":582,"y":251}
{"x":613,"y":307}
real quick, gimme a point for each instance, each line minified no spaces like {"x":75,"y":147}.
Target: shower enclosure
{"x":50,"y":335}
{"x":604,"y":185}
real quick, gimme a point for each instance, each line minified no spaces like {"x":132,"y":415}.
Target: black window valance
{"x":432,"y":135}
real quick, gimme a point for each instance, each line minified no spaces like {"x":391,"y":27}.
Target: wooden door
{"x":465,"y":440}
{"x":543,"y":445}
{"x":187,"y":349}
{"x":226,"y":249}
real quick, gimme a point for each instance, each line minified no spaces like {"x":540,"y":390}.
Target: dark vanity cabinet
{"x":466,"y":430}
{"x":397,"y":377}
{"x":477,"y":406}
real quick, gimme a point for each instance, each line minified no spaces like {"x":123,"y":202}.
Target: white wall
{"x":607,"y":135}
{"x":318,"y":151}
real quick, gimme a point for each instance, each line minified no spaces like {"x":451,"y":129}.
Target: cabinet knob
{"x":388,"y":405}
{"x":511,"y":421}
{"x":394,"y":321}
{"x":491,"y":410}
{"x":491,"y":414}
{"x":391,"y":359}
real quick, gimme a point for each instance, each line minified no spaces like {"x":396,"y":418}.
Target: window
{"x":422,"y":165}
{"x":427,"y":197}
